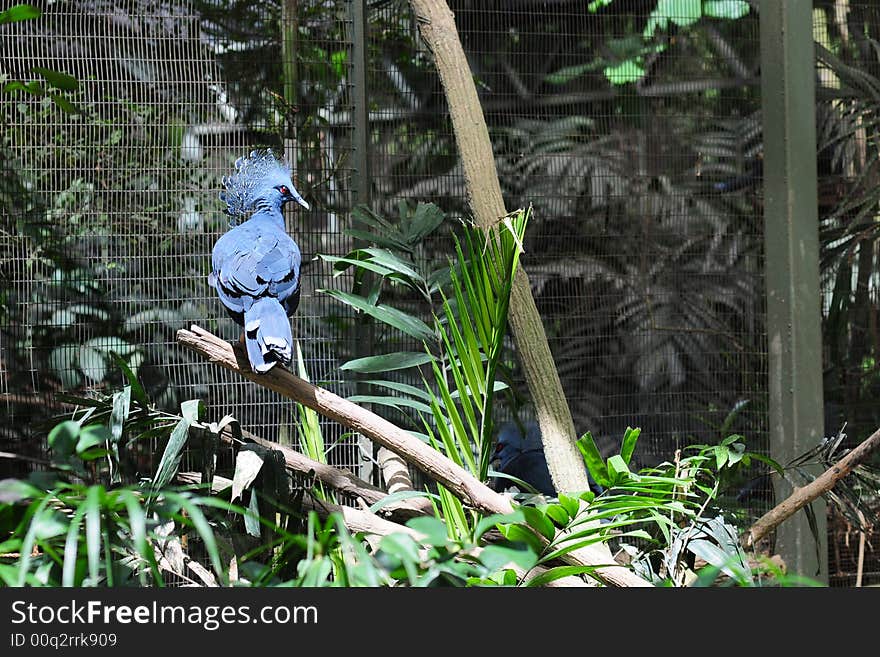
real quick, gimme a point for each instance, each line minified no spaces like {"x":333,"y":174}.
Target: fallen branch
{"x":341,"y":480}
{"x":457,"y":480}
{"x":806,"y":494}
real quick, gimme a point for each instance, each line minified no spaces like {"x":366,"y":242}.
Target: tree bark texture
{"x":437,"y":26}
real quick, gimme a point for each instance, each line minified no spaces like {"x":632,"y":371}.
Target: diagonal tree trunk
{"x":437,"y":27}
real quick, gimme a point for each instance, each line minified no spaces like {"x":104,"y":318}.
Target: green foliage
{"x":630,"y":66}
{"x":57,"y":82}
{"x":464,"y":348}
{"x":85,"y":534}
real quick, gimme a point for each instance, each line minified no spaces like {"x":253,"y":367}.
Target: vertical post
{"x":792,"y":259}
{"x":360,"y":110}
{"x":289,"y":84}
{"x":290,"y":73}
{"x":360,"y":177}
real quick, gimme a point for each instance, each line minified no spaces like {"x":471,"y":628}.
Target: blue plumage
{"x":256,"y":265}
{"x":522,"y":456}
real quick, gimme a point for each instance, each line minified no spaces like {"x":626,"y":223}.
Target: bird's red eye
{"x":283,"y":189}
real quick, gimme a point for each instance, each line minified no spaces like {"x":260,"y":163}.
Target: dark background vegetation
{"x":637,"y":141}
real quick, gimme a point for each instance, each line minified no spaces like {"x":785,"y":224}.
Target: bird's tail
{"x":267,"y":334}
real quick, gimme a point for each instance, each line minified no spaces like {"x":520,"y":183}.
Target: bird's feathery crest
{"x":244,"y":187}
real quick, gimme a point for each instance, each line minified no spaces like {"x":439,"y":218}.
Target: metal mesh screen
{"x":847,"y":160}
{"x":114,"y":209}
{"x":641,"y":157}
{"x":635,"y":134}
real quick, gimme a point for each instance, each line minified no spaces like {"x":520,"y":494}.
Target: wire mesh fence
{"x":848,"y":67}
{"x":115,"y":207}
{"x":634,"y":132}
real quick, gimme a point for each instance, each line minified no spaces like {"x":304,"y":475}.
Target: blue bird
{"x":522,"y":456}
{"x":256,"y":265}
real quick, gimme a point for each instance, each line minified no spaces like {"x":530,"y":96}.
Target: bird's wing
{"x":249,"y":264}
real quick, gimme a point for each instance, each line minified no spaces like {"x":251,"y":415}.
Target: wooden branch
{"x":458,"y":481}
{"x":341,"y":480}
{"x":395,"y":472}
{"x":437,"y":27}
{"x":806,"y":494}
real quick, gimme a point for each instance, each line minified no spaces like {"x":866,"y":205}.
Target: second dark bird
{"x":522,"y":456}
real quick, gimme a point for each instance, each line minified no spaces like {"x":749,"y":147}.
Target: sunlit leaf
{"x":388,"y":362}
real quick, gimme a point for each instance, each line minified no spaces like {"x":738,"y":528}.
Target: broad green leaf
{"x":361,"y":214}
{"x":170,"y":461}
{"x":405,"y":388}
{"x":92,"y":363}
{"x":628,"y":446}
{"x":596,"y":5}
{"x":399,"y":496}
{"x":401,"y":546}
{"x":121,"y":407}
{"x":57,"y":79}
{"x":732,"y":439}
{"x":48,"y":524}
{"x":571,"y":504}
{"x":192,"y":409}
{"x":386,"y":258}
{"x":558,"y":514}
{"x":736,"y":453}
{"x":539,"y":522}
{"x":62,"y":362}
{"x":680,"y":12}
{"x":518,"y":533}
{"x":618,"y":469}
{"x":425,"y":220}
{"x":568,"y":73}
{"x":496,"y":556}
{"x":397,"y":360}
{"x":247,"y":466}
{"x":488,"y":522}
{"x":63,"y":437}
{"x":23,"y":12}
{"x":13,"y":491}
{"x":400,"y":320}
{"x":393,"y":402}
{"x":93,"y":531}
{"x":552,"y":574}
{"x":94,"y":434}
{"x":625,"y":72}
{"x":136,"y":388}
{"x":338,"y":60}
{"x":593,"y":459}
{"x":380,"y":240}
{"x":434,"y":530}
{"x":729,"y":9}
{"x":108,"y":344}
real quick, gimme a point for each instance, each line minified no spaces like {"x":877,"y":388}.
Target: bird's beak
{"x":294,"y":196}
